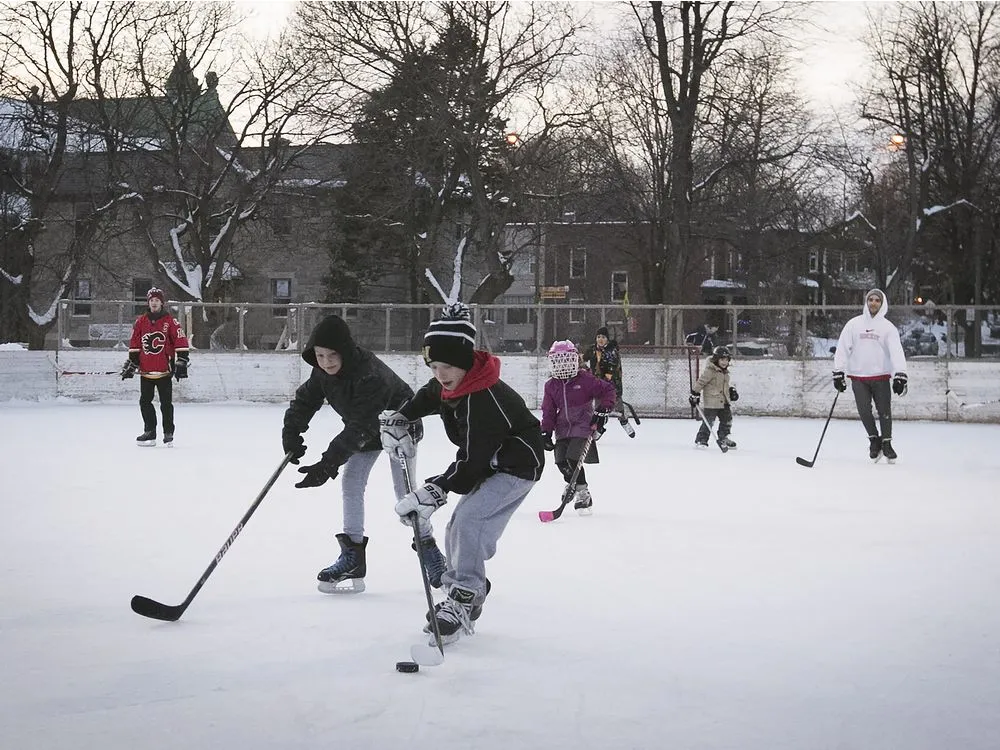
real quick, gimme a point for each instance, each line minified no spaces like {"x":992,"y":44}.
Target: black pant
{"x":879,"y":391}
{"x":725,"y":416}
{"x":166,"y":390}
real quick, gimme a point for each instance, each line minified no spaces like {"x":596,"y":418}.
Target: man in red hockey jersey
{"x":157,"y":350}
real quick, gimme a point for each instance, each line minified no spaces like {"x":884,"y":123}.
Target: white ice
{"x":712,"y":601}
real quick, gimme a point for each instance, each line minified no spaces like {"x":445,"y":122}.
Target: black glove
{"x":317,"y":474}
{"x":128,"y":369}
{"x":899,"y":384}
{"x":694,"y":399}
{"x":839,"y":381}
{"x":547,"y":443}
{"x":733,"y":394}
{"x":598,"y":421}
{"x":181,"y":368}
{"x":292,"y":442}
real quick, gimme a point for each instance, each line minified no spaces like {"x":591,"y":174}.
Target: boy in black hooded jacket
{"x":358,"y":386}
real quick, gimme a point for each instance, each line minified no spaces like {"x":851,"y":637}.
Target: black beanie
{"x":452,"y":338}
{"x":332,"y":333}
{"x":603,"y":331}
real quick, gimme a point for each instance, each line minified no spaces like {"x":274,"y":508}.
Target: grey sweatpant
{"x":354,"y":481}
{"x":879,"y":391}
{"x":475,"y":528}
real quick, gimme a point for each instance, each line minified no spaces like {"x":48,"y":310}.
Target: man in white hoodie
{"x":870,"y":353}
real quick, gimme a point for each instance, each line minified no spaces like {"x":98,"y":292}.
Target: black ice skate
{"x":455,"y":615}
{"x":584,"y":502}
{"x":874,"y":448}
{"x":168,"y":439}
{"x":347,"y":575}
{"x":432,"y":559}
{"x":730,"y":443}
{"x":888,"y":451}
{"x":146,"y":439}
{"x":700,"y":443}
{"x":723,"y":446}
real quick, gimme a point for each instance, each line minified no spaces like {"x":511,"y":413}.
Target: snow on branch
{"x":456,"y":277}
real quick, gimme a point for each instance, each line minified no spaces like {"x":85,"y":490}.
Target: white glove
{"x":423,"y":501}
{"x":395,"y":431}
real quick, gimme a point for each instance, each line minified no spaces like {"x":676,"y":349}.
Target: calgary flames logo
{"x":152,"y":343}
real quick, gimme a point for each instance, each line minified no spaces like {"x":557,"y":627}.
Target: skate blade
{"x":877,"y":458}
{"x":890,"y":460}
{"x":146,"y":443}
{"x":585,"y":511}
{"x":348,"y":586}
{"x":426,"y":655}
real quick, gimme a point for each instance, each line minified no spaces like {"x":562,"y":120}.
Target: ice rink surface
{"x":737,"y":602}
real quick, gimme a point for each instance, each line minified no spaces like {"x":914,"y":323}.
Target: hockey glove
{"x":839,"y":381}
{"x":399,"y":435}
{"x":422,"y":501}
{"x":128,"y":369}
{"x":694,"y":399}
{"x":181,"y":368}
{"x":317,"y":474}
{"x":547,"y":443}
{"x":899,"y":386}
{"x":292,"y":442}
{"x":733,"y":394}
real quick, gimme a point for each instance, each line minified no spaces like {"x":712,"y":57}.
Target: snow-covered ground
{"x":712,"y":601}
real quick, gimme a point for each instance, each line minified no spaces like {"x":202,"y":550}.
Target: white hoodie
{"x":869,"y":347}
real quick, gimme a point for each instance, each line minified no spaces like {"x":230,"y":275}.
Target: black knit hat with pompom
{"x":452,"y":338}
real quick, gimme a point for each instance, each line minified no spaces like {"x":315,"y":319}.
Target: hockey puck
{"x":407,"y":666}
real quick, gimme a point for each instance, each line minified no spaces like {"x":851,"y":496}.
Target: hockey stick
{"x":551,"y":515}
{"x":711,"y":429}
{"x":971,"y":405}
{"x":154,"y":609}
{"x":422,"y":653}
{"x":806,"y":462}
{"x":635,"y":417}
{"x":75,"y":372}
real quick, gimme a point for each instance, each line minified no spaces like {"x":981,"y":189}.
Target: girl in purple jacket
{"x":568,"y":411}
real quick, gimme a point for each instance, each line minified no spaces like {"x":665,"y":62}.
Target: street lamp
{"x":897,"y":142}
{"x":512,"y":139}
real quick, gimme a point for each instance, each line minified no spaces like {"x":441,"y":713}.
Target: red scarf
{"x":485,"y":372}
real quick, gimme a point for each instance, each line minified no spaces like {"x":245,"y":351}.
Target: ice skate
{"x":432,"y":559}
{"x":455,"y":615}
{"x":584,"y":502}
{"x":730,"y":443}
{"x":146,"y":439}
{"x":721,"y":442}
{"x":700,"y":443}
{"x":888,"y":451}
{"x":168,"y":439}
{"x":347,"y":575}
{"x":874,"y":448}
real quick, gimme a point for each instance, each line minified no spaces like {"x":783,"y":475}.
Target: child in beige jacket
{"x":713,"y":385}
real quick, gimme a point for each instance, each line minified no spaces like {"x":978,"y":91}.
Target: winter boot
{"x":168,"y":438}
{"x":583,"y":500}
{"x":146,"y":439}
{"x":888,"y":451}
{"x":432,"y":559}
{"x":874,"y":448}
{"x":350,"y":568}
{"x":454,"y":615}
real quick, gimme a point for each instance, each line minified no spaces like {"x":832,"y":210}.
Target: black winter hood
{"x":331,"y":332}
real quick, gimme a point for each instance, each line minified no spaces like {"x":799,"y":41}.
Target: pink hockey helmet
{"x":564,"y":359}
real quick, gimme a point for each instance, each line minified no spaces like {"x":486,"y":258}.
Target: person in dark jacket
{"x":604,"y":361}
{"x":704,"y":337}
{"x":500,"y":458}
{"x":357,"y":385}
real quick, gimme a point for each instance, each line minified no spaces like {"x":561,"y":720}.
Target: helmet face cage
{"x":564,"y":360}
{"x":720,"y":352}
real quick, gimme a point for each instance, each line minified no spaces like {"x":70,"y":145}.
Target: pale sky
{"x":833,"y":58}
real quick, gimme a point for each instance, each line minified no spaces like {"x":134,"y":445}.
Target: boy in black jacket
{"x":500,"y":458}
{"x":358,"y":386}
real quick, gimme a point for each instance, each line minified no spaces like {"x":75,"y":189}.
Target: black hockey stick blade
{"x":146,"y":607}
{"x":804,"y":462}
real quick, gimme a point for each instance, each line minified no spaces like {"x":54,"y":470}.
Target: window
{"x":578,"y":263}
{"x":520,"y":312}
{"x":139,"y":289}
{"x":619,"y":285}
{"x":281,"y":294}
{"x":532,"y":261}
{"x":577,"y":314}
{"x":813,"y":261}
{"x":81,"y":291}
{"x":81,"y":213}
